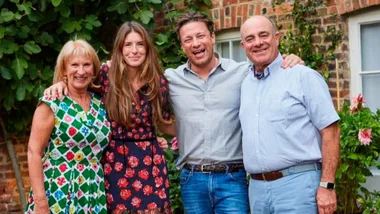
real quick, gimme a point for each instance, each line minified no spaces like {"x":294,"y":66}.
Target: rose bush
{"x":360,"y":147}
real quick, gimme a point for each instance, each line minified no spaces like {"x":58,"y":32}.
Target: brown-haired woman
{"x":137,"y":100}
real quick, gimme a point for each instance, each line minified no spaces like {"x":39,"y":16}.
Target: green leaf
{"x":120,"y":6}
{"x":31,"y":47}
{"x":2,"y":32}
{"x":20,"y":92}
{"x":11,"y":30}
{"x":7,"y":15}
{"x":162,"y":38}
{"x":92,"y":20}
{"x":144,"y":15}
{"x":9,"y":102}
{"x":353,"y":156}
{"x":5,"y":73}
{"x":207,"y":2}
{"x":25,"y":6}
{"x":64,"y":10}
{"x":344,"y":167}
{"x":19,"y":65}
{"x":56,"y":2}
{"x":156,"y":1}
{"x":45,"y":39}
{"x":8,"y":46}
{"x":1,"y":2}
{"x":71,"y":25}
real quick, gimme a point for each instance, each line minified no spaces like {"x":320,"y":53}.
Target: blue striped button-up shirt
{"x":281,"y":116}
{"x":207,"y":112}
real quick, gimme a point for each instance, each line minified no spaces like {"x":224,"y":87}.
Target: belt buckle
{"x":204,"y":165}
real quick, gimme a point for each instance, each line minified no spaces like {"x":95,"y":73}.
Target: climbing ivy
{"x":298,"y":38}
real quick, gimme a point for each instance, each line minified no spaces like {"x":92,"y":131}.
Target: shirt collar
{"x":271,"y":68}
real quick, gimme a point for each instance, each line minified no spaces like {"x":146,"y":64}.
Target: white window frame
{"x":354,"y":23}
{"x":230,"y":37}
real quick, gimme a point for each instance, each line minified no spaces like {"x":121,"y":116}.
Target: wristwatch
{"x":327,"y":185}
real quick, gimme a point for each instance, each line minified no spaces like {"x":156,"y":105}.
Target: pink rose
{"x":365,"y":136}
{"x":357,"y":103}
{"x":174,"y":143}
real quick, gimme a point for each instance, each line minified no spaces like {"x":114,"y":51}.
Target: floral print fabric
{"x":136,"y":176}
{"x":73,"y":175}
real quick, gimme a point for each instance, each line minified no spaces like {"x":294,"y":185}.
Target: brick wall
{"x":228,"y":14}
{"x":9,"y":195}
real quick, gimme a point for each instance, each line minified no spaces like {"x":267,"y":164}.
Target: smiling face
{"x":79,"y":70}
{"x":260,"y":41}
{"x":197,"y":42}
{"x":134,"y":50}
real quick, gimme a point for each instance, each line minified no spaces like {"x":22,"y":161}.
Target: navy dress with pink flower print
{"x":135,"y":170}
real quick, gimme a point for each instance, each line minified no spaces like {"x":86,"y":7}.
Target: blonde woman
{"x":67,"y":140}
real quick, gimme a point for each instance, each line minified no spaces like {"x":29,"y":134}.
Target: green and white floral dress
{"x":73,"y":175}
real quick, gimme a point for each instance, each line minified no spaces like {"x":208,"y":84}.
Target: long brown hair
{"x":121,"y":95}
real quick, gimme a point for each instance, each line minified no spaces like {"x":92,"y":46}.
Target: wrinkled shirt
{"x":282,"y":115}
{"x":207,"y":112}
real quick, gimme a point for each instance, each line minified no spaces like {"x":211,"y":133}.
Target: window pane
{"x":370,"y":46}
{"x":371,"y":87}
{"x":238,"y":53}
{"x":223,"y":49}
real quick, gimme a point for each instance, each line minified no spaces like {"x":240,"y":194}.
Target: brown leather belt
{"x":216,"y":168}
{"x":271,"y":176}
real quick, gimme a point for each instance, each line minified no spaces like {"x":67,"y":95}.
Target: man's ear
{"x":277,"y":36}
{"x":213,"y":37}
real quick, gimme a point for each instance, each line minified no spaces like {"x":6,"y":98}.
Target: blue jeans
{"x":204,"y":193}
{"x":294,"y":194}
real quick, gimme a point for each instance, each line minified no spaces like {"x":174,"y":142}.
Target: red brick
{"x":284,"y":8}
{"x":245,"y":12}
{"x":239,"y":10}
{"x":258,"y":9}
{"x":332,"y":10}
{"x":363,"y":3}
{"x":229,"y":2}
{"x":355,"y":4}
{"x":217,"y":25}
{"x":227,"y":23}
{"x":233,"y":16}
{"x":3,"y":208}
{"x":221,"y":19}
{"x":215,"y":3}
{"x":330,"y":3}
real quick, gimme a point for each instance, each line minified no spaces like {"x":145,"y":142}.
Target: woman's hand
{"x":41,"y":205}
{"x":162,"y":143}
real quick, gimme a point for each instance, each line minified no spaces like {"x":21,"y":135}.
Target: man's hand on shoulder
{"x":326,"y":200}
{"x":291,"y":60}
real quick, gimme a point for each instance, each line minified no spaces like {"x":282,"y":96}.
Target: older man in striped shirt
{"x":290,"y":131}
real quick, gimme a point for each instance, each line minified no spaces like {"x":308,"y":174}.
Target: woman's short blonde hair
{"x":75,"y":48}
